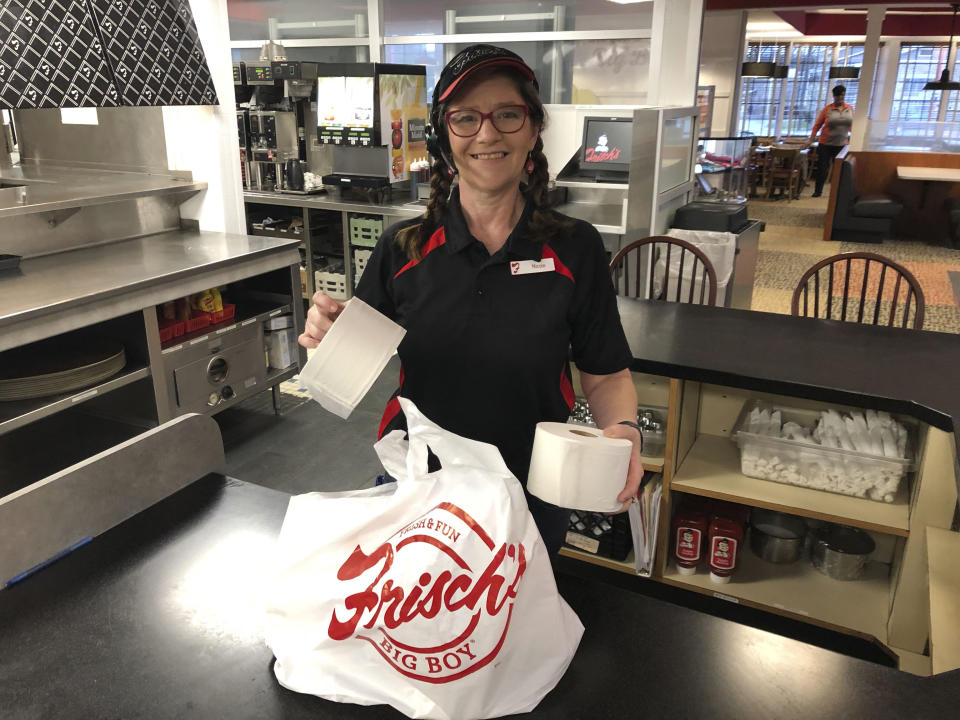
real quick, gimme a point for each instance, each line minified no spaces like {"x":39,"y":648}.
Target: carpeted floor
{"x":793,"y":242}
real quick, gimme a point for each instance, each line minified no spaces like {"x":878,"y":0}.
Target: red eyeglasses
{"x":467,"y":123}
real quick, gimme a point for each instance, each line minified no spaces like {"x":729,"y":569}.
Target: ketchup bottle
{"x":690,"y":535}
{"x":726,"y":536}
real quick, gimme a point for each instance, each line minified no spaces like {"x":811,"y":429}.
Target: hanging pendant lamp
{"x":945,"y":83}
{"x":844,"y":71}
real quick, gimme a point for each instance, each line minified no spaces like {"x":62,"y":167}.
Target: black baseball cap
{"x":474,"y":58}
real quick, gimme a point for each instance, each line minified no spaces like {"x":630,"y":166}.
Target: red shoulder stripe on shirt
{"x":566,"y":388}
{"x":391,"y":410}
{"x":557,"y":265}
{"x":436,"y":240}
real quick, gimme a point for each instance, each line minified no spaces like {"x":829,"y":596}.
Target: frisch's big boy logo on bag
{"x":472,"y":591}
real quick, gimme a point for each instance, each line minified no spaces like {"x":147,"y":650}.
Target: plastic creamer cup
{"x":350,"y":357}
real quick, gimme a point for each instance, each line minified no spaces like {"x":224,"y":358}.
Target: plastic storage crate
{"x":332,"y":283}
{"x":365,"y":231}
{"x":360,"y":260}
{"x":608,"y":536}
{"x":807,"y":464}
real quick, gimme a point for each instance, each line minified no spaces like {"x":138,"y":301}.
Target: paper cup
{"x":351,"y":357}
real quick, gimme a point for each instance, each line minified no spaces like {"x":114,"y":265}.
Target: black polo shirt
{"x":488,"y":337}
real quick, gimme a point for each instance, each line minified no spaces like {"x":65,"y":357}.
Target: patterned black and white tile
{"x":101,"y":53}
{"x":51,"y":56}
{"x":155,"y":51}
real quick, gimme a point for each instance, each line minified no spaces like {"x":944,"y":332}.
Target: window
{"x":760,"y":97}
{"x":851,"y":55}
{"x":807,"y":87}
{"x":918,"y":65}
{"x":953,"y":97}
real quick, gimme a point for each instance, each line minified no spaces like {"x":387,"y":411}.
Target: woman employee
{"x":836,"y":120}
{"x":494,"y":288}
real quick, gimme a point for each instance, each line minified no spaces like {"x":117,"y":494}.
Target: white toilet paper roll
{"x":577,"y":467}
{"x":350,"y":357}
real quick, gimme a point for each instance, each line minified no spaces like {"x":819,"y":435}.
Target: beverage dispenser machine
{"x":374,"y":115}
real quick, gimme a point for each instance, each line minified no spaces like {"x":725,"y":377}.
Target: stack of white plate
{"x":58,"y":365}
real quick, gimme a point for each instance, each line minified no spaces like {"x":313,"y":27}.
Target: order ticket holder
{"x":150,"y":620}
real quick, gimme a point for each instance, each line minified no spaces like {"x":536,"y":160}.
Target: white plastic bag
{"x":433,"y":594}
{"x":720,"y":249}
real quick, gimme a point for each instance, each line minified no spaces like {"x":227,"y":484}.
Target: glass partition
{"x":676,"y":159}
{"x":405,"y":18}
{"x":899,"y":136}
{"x":584,"y":72}
{"x":250,"y":19}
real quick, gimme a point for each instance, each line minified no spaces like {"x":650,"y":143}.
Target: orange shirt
{"x":835,"y":123}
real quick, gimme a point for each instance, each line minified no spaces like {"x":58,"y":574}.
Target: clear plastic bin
{"x":810,"y":465}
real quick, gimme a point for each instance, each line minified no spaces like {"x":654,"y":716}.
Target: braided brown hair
{"x":544,"y":224}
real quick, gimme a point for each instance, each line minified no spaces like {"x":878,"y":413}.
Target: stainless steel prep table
{"x":95,"y":286}
{"x":125,"y":627}
{"x":55,"y":293}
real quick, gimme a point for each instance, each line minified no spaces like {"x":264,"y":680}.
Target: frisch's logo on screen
{"x":601,"y":152}
{"x":470,"y":587}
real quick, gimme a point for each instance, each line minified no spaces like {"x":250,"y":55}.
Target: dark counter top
{"x":914,"y":372}
{"x":148,"y":620}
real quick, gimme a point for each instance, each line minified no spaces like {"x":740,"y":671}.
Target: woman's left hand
{"x":635,"y":470}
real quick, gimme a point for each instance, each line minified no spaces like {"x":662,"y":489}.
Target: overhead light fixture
{"x":844,"y":72}
{"x":758,"y":69}
{"x":944,"y":83}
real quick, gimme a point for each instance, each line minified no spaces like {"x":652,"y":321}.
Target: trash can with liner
{"x":723,"y":218}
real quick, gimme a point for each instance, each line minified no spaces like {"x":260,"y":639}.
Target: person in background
{"x":834,"y":124}
{"x":496,"y":290}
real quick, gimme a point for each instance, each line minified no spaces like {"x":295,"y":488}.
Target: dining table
{"x":927,"y":176}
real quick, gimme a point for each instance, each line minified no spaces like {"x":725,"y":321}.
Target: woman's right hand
{"x":323,"y":312}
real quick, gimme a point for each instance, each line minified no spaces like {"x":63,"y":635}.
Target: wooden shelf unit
{"x":627,"y":566}
{"x":800,"y":591}
{"x":712,"y":469}
{"x":890,"y":605}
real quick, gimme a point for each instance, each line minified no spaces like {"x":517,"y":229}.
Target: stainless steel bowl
{"x":841,"y":552}
{"x":776,"y":537}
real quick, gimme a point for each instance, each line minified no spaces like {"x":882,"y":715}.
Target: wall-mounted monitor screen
{"x":605,"y":152}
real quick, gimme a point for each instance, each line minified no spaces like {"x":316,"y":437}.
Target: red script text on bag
{"x":395,"y":619}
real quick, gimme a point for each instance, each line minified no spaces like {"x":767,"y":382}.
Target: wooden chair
{"x":756,"y":170}
{"x":783,"y":171}
{"x":694,"y":274}
{"x":858,"y":280}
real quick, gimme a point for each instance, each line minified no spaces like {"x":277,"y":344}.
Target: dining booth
{"x":926,"y":186}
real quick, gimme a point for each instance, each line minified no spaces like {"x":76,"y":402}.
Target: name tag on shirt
{"x":525,"y":267}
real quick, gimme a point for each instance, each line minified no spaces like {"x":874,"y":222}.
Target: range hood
{"x":101,"y":53}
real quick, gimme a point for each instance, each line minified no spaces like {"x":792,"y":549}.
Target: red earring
{"x":528,"y":167}
{"x":453,"y":173}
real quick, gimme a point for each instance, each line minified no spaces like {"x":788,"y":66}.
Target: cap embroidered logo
{"x":470,"y":587}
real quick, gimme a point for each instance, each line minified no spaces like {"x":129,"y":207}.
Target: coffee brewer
{"x":274,"y":121}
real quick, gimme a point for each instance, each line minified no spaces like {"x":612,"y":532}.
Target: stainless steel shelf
{"x":17,"y":413}
{"x":48,"y":188}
